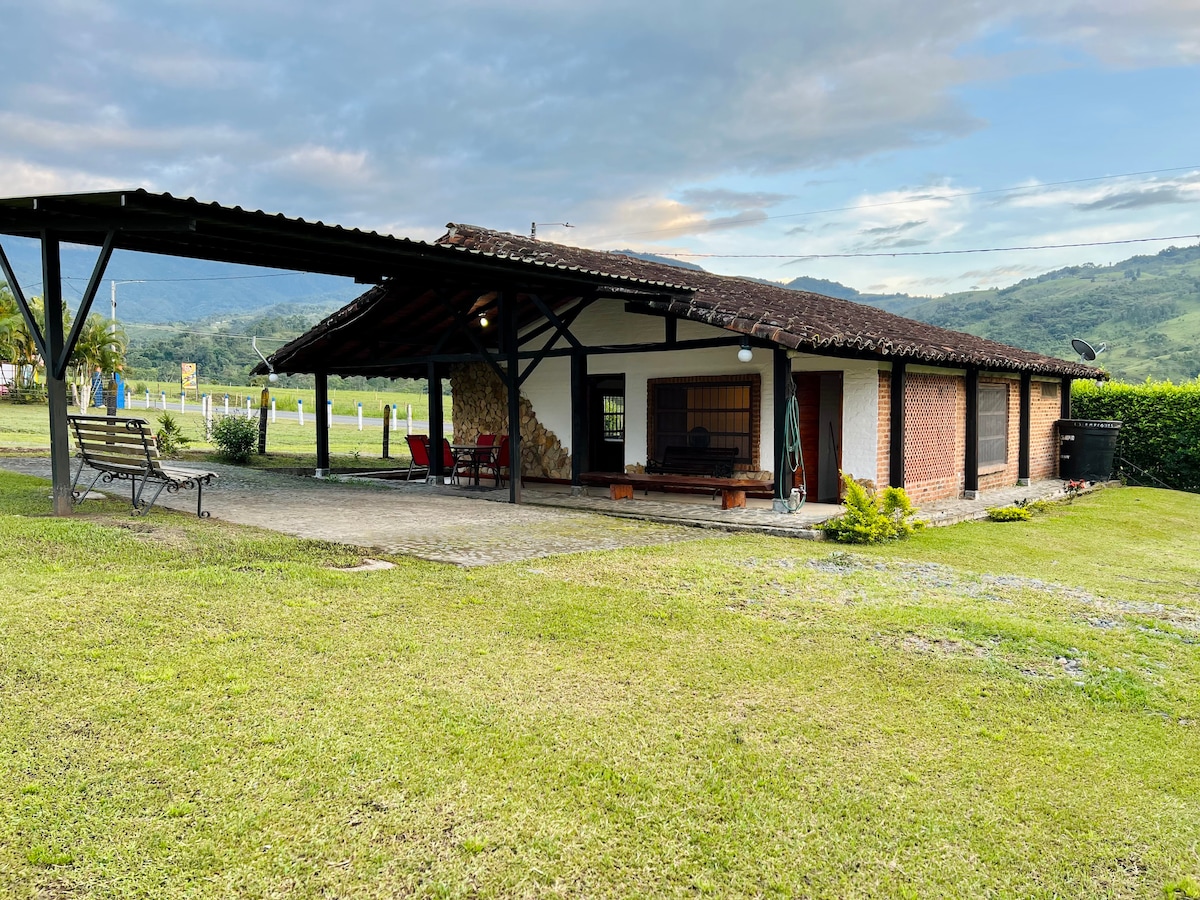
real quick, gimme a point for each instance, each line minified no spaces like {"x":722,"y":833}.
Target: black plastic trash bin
{"x":1086,"y":448}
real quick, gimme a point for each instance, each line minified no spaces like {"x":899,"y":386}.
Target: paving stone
{"x":471,"y":527}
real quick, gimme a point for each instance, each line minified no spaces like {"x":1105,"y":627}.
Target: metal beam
{"x":35,"y":330}
{"x":56,"y":386}
{"x":322,"y":411}
{"x":971,"y":450}
{"x":89,"y":294}
{"x":580,"y":419}
{"x":437,"y":426}
{"x":508,"y":328}
{"x":781,"y":366}
{"x":1024,"y":428}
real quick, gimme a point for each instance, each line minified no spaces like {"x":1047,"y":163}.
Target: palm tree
{"x":100,"y":348}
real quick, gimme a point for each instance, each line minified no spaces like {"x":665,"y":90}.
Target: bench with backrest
{"x":121,"y":449}
{"x":715,"y":462}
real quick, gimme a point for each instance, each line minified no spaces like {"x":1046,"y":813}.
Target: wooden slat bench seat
{"x":125,"y":450}
{"x":715,"y":462}
{"x":621,"y":485}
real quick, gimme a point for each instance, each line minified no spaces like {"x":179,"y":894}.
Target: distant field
{"x":345,"y":403}
{"x":27,"y":427}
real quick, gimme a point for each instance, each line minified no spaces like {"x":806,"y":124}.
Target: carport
{"x":447,"y":290}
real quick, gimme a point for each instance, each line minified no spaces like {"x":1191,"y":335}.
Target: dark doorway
{"x":606,"y":422}
{"x":819,"y":398}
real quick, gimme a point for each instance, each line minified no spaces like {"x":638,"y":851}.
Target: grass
{"x":345,"y":402}
{"x":27,"y":427}
{"x":194,"y":709}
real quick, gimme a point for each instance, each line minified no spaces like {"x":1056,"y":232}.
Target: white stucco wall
{"x":548,"y":389}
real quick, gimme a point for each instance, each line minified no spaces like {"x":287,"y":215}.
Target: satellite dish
{"x":1085,"y":350}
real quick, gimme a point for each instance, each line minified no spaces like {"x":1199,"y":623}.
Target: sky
{"x":771,"y":138}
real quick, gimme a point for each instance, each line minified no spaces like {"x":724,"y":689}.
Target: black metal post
{"x":1065,"y":399}
{"x":56,"y":382}
{"x":1024,"y":428}
{"x":581,"y":438}
{"x":896,"y":426}
{"x":264,"y":404}
{"x":322,"y":413}
{"x":436,"y":427}
{"x":508,"y":326}
{"x":387,"y":429}
{"x":971,"y":451}
{"x":782,"y":376}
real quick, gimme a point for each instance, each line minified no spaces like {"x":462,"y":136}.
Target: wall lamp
{"x":745,"y":354}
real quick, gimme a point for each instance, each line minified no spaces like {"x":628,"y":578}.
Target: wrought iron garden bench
{"x":121,"y":449}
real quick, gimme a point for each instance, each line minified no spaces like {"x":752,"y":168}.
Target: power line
{"x":728,"y":223}
{"x":1177,"y":237}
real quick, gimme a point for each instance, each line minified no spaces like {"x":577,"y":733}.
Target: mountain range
{"x":1145,"y":309}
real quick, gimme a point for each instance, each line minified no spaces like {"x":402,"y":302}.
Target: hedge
{"x":1159,"y":442}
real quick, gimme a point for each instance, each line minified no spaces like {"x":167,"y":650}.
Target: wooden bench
{"x":621,"y":485}
{"x":125,"y":450}
{"x":715,"y":462}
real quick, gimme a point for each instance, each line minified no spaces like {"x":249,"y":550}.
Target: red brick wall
{"x":1043,"y":437}
{"x":883,"y":465}
{"x":934,"y":436}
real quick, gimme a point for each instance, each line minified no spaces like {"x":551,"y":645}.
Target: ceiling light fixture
{"x":745,"y":354}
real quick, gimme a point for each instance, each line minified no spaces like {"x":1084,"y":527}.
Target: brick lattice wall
{"x":934,"y":436}
{"x":1043,"y":436}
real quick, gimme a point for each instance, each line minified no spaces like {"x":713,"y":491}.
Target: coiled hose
{"x":791,"y":456}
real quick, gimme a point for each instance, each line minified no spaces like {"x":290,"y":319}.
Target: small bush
{"x":1009,"y":513}
{"x":235,"y":437}
{"x":872,"y":518}
{"x":169,"y":436}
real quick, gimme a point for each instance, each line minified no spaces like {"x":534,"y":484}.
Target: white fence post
{"x":360,"y":415}
{"x":329,"y":413}
{"x":410,"y":418}
{"x":272,"y":410}
{"x":300,"y":410}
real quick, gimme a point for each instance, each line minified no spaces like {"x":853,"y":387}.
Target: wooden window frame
{"x":753,"y":380}
{"x":993,"y":425}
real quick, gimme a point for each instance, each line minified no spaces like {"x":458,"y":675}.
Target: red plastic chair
{"x":499,"y":461}
{"x":486,"y":440}
{"x":418,"y":449}
{"x":451,"y":465}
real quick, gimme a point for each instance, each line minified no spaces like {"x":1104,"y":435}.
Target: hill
{"x":1146,"y":308}
{"x":172,"y":289}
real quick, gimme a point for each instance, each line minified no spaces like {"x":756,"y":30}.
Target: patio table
{"x":473,"y":455}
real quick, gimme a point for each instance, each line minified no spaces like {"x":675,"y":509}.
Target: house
{"x":655,"y":356}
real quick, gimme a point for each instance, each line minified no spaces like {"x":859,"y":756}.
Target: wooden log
{"x":625,"y":492}
{"x":731,"y":499}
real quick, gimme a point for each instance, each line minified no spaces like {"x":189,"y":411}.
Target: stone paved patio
{"x":459,"y":526}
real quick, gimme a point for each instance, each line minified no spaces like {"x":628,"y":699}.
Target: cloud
{"x":1139,"y":199}
{"x":894,"y":229}
{"x":720,"y":198}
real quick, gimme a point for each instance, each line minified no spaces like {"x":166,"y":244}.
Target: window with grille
{"x":993,"y":424}
{"x":614,"y":416}
{"x":718,"y":411}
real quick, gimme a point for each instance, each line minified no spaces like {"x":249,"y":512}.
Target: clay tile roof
{"x":797,"y":320}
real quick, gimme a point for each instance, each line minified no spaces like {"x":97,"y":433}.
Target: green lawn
{"x":192,"y":709}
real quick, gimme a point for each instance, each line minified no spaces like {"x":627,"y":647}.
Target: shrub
{"x":872,"y":518}
{"x":1009,"y":513}
{"x":235,"y":437}
{"x":1159,"y":441}
{"x":169,"y":437}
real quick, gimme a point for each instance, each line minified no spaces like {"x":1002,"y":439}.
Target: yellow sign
{"x":188,"y":381}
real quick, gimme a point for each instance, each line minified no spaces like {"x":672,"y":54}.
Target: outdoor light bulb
{"x":745,"y":355}
{"x":272,"y":378}
{"x":483,"y":321}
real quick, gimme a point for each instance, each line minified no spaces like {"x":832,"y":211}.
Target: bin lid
{"x":1090,"y":423}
